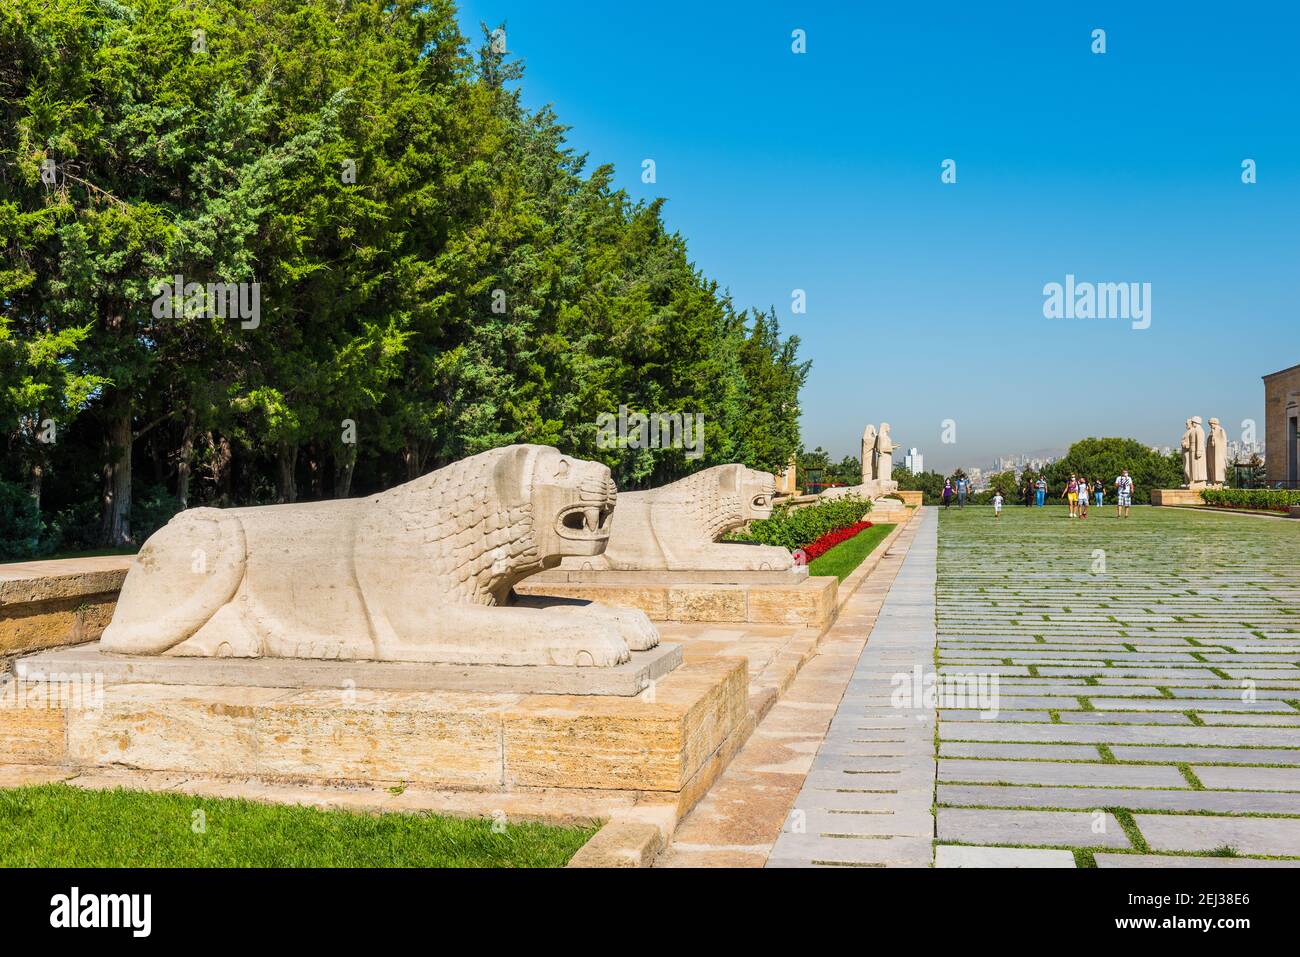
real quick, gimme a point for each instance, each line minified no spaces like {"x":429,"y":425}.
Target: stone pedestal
{"x":784,"y":597}
{"x":623,"y":680}
{"x":663,"y":740}
{"x":1177,"y":496}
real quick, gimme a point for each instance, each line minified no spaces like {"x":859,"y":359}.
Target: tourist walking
{"x":1028,"y":493}
{"x":963,"y":485}
{"x":997,"y":504}
{"x":1071,"y":494}
{"x":947,"y":492}
{"x":1084,"y":489}
{"x":1124,"y":492}
{"x":1099,"y":491}
{"x":1040,"y":490}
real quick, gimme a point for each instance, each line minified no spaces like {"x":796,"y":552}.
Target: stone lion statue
{"x":422,"y":572}
{"x":676,"y":527}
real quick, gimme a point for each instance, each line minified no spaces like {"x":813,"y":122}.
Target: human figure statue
{"x":868,"y":454}
{"x":1216,"y":454}
{"x":1193,"y":446}
{"x":884,"y":453}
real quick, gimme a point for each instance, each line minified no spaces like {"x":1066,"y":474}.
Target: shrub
{"x":21,"y":526}
{"x":1268,"y":499}
{"x":153,"y":508}
{"x":798,"y":527}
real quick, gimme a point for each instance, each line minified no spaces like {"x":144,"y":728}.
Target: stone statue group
{"x":877,"y":454}
{"x":1205,"y":458}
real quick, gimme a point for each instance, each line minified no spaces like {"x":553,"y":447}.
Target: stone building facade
{"x":1282,"y":425}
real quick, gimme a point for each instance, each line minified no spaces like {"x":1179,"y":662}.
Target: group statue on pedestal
{"x":1205,"y":460}
{"x":877,"y":455}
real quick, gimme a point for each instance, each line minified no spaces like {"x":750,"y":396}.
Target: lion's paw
{"x":633,"y":626}
{"x":596,"y":646}
{"x":775,"y":559}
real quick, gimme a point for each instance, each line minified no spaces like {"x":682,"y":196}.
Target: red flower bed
{"x":831,"y":539}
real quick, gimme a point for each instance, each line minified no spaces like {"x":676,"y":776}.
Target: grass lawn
{"x":846,"y":556}
{"x":56,"y":825}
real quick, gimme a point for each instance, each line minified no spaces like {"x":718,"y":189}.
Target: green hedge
{"x":21,"y":527}
{"x":796,"y":527}
{"x":1278,"y":499}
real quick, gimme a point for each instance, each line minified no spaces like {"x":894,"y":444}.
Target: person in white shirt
{"x":1124,"y":488}
{"x":997,"y":504}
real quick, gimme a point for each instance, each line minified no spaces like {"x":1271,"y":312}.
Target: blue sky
{"x":821,"y":172}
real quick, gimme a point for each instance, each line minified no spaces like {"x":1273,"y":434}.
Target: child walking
{"x":997,"y":504}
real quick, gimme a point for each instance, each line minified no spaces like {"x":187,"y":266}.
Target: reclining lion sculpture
{"x":422,"y":572}
{"x":676,"y":527}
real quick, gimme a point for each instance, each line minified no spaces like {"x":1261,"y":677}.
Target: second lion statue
{"x":676,"y":527}
{"x":422,"y":572}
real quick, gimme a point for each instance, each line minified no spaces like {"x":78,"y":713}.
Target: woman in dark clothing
{"x":947,"y":493}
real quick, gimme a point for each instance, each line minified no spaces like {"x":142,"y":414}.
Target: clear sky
{"x":821,"y":171}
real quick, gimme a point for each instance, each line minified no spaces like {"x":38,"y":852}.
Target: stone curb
{"x":620,"y":844}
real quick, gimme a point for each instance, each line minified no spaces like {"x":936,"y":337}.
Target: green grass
{"x":846,"y":556}
{"x":55,"y":825}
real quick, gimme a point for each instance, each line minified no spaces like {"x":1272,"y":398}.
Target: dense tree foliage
{"x":1101,"y":460}
{"x":434,"y":272}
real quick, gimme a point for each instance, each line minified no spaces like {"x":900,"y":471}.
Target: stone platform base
{"x":669,"y":741}
{"x":623,"y":680}
{"x":741,"y":597}
{"x":912,"y":497}
{"x":45,"y":604}
{"x":1176,"y":496}
{"x":888,"y":511}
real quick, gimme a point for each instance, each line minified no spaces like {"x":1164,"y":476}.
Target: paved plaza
{"x":1149,"y":687}
{"x":1146,"y":710}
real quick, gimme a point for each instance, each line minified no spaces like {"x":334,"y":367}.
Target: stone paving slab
{"x":1207,"y":755}
{"x":1176,"y":860}
{"x":1152,"y":799}
{"x":960,"y":855}
{"x":1018,"y":752}
{"x":1249,"y":779}
{"x":1061,"y":828}
{"x":1047,"y":772}
{"x":1274,"y":837}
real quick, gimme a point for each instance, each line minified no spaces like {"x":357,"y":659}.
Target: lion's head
{"x":571,"y":499}
{"x":727,"y":496}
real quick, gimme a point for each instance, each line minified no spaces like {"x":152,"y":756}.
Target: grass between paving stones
{"x":999,"y":579}
{"x":57,"y":825}
{"x":841,"y":560}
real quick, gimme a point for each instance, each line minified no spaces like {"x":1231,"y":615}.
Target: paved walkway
{"x":867,"y":801}
{"x":1149,"y":689}
{"x":739,"y":820}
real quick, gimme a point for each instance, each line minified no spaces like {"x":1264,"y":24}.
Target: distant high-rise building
{"x":914,"y":461}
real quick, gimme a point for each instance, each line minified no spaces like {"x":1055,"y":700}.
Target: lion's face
{"x":573,"y":503}
{"x":745,"y":495}
{"x":757,"y":491}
